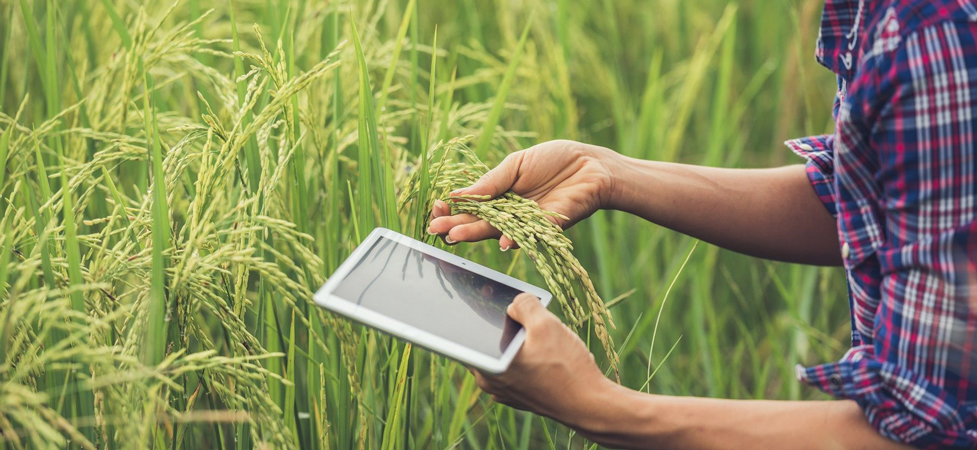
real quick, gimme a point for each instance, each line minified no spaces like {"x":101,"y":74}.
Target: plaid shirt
{"x":900,"y":175}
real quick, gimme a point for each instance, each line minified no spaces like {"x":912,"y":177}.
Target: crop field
{"x":178,"y":178}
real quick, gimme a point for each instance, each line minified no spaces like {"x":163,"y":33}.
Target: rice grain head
{"x":523,"y":221}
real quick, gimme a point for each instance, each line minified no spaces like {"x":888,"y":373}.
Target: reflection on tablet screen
{"x":433,"y":295}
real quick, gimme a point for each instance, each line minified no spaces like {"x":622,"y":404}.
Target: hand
{"x":567,"y":177}
{"x":553,"y":374}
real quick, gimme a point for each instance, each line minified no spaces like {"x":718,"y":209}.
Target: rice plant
{"x":178,"y":177}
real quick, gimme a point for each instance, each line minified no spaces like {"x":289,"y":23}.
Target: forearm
{"x":769,"y":213}
{"x":623,"y":418}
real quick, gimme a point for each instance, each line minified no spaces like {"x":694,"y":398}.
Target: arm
{"x":771,"y":213}
{"x":555,"y":375}
{"x":621,"y":417}
{"x":768,"y":213}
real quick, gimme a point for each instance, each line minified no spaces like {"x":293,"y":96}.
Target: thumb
{"x":527,"y":310}
{"x":496,"y":181}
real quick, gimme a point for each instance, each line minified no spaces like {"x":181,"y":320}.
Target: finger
{"x":512,"y":403}
{"x":507,"y":244}
{"x":440,"y":209}
{"x":444,"y":224}
{"x":496,"y":181}
{"x":503,"y":399}
{"x":480,"y":380}
{"x":527,"y":310}
{"x":471,"y":232}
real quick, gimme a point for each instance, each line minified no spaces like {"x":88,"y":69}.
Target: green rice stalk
{"x":40,"y":56}
{"x":118,"y":24}
{"x":5,"y":150}
{"x":424,"y":183}
{"x":251,"y":150}
{"x":5,"y":252}
{"x":446,"y":106}
{"x":697,"y":73}
{"x":390,"y":435}
{"x":5,"y":62}
{"x":42,"y":214}
{"x":488,"y":131}
{"x":156,"y":337}
{"x":395,"y":56}
{"x":368,"y":150}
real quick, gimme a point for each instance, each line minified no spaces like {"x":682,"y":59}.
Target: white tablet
{"x":429,"y":297}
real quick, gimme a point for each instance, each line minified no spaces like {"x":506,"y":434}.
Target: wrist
{"x":624,"y":173}
{"x":613,"y":415}
{"x":589,"y":402}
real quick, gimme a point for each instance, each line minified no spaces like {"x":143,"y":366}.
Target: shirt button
{"x":835,"y":381}
{"x":845,"y":251}
{"x":805,"y":147}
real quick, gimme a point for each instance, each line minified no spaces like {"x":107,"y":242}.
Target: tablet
{"x":429,"y":297}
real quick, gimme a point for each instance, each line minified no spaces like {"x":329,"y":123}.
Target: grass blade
{"x":398,"y":44}
{"x":373,"y":160}
{"x":485,"y":140}
{"x":40,"y":56}
{"x":42,"y":216}
{"x":156,"y":338}
{"x":251,"y":156}
{"x":367,"y":142}
{"x":118,"y":24}
{"x":6,"y":249}
{"x":5,"y":150}
{"x":425,"y":177}
{"x":5,"y":61}
{"x":390,"y":434}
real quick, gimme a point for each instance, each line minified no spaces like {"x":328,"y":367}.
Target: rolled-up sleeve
{"x":915,"y":378}
{"x":819,"y":152}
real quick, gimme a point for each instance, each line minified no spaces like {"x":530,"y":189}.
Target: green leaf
{"x":485,"y":140}
{"x":156,"y":339}
{"x":251,"y":156}
{"x":423,"y":204}
{"x":391,"y":433}
{"x":398,"y":44}
{"x":118,"y":24}
{"x":373,"y":160}
{"x":42,"y":215}
{"x":5,"y":149}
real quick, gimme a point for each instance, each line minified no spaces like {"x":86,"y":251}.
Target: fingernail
{"x":458,"y":191}
{"x":431,"y":232}
{"x":504,"y":248}
{"x":449,"y":240}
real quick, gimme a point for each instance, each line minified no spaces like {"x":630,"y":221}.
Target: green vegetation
{"x":176,"y":179}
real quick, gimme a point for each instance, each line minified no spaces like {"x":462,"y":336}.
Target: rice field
{"x":177,"y":178}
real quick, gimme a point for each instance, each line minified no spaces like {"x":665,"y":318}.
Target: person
{"x":891,"y":194}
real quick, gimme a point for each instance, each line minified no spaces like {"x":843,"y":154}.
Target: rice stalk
{"x":485,"y":139}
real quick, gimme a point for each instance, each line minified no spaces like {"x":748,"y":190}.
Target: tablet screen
{"x":433,"y":295}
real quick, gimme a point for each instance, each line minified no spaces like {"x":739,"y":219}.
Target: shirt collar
{"x":842,"y":22}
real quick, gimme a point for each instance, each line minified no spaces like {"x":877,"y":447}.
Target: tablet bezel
{"x":325,"y":298}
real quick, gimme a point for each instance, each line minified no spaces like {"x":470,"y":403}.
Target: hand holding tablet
{"x":431,"y":298}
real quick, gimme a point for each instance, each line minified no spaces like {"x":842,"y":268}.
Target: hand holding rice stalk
{"x":529,"y":226}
